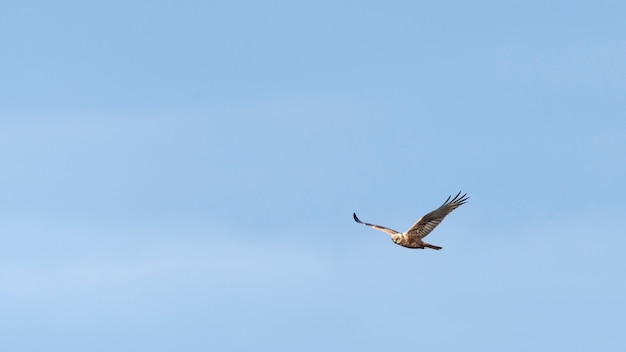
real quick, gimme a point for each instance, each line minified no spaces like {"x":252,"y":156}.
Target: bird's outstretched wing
{"x":380,"y":228}
{"x":428,"y":222}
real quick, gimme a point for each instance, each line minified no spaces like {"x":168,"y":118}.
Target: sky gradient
{"x":181,"y":176}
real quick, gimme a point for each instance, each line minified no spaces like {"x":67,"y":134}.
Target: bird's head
{"x":396,"y":238}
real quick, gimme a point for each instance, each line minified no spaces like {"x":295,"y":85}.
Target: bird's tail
{"x":428,"y":245}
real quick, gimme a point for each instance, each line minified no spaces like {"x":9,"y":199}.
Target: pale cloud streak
{"x":207,"y":261}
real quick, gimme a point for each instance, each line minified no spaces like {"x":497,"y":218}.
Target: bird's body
{"x":412,"y":238}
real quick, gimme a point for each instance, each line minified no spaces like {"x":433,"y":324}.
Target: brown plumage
{"x":412,"y":238}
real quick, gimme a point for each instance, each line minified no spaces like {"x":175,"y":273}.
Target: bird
{"x":412,"y":238}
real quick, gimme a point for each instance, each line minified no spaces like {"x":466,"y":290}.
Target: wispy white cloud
{"x":571,"y":64}
{"x":162,"y":262}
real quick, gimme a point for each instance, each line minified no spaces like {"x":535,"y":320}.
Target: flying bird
{"x":412,"y":238}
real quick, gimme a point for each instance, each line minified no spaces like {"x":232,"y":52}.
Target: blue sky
{"x":180,"y":176}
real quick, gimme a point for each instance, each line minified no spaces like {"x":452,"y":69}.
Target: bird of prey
{"x":412,"y":238}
